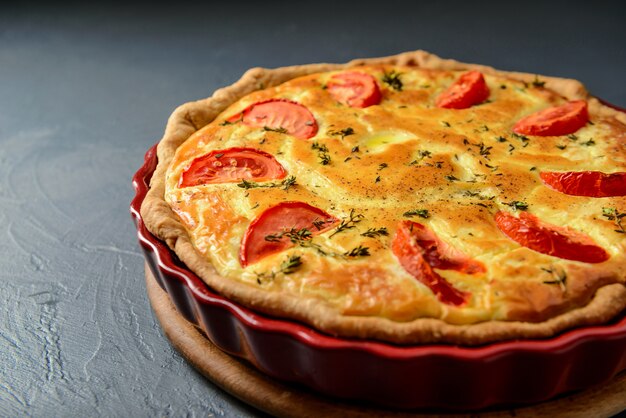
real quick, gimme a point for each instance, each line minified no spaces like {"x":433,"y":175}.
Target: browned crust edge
{"x":608,"y":301}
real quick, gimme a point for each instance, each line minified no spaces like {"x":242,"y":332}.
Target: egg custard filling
{"x":410,"y":200}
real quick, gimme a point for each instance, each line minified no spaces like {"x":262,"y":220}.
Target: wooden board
{"x":266,"y":394}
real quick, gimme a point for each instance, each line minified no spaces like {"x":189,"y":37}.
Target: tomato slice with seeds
{"x":279,"y":114}
{"x":563,"y":242}
{"x":586,"y":183}
{"x":420,"y":251}
{"x":231,"y":165}
{"x":560,"y":120}
{"x":470,"y":89}
{"x":354,"y":89}
{"x":274,"y":222}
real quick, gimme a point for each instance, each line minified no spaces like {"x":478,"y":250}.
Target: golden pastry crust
{"x":374,"y":297}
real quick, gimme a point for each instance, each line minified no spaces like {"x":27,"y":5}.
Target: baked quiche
{"x":407,"y":199}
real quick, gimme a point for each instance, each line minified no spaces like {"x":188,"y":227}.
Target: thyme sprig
{"x":289,"y":266}
{"x":319,"y":223}
{"x":304,"y":238}
{"x":285,"y":184}
{"x":375,"y":232}
{"x":348,"y":223}
{"x":517,"y":205}
{"x":301,"y":237}
{"x":478,"y":195}
{"x":359,"y":251}
{"x":342,"y":132}
{"x":612,"y":214}
{"x":558,"y":277}
{"x":422,"y":213}
{"x":322,"y":153}
{"x":295,"y":235}
{"x":392,"y":79}
{"x":483,"y":150}
{"x":422,"y":154}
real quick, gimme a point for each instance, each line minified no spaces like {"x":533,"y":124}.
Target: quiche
{"x":408,"y":199}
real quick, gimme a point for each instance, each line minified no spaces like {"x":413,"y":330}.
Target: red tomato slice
{"x":420,"y":251}
{"x":560,"y":120}
{"x":468,"y":90}
{"x":530,"y":232}
{"x":278,"y":114}
{"x":354,"y":89}
{"x":231,"y":165}
{"x":278,"y":219}
{"x":586,"y":183}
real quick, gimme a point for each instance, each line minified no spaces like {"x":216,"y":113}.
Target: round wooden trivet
{"x":266,"y":394}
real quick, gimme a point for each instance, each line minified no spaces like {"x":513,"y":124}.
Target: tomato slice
{"x":275,"y":221}
{"x":420,"y":251}
{"x":354,"y":89}
{"x":586,"y":183}
{"x":468,"y":90}
{"x":560,"y":120}
{"x":563,"y":242}
{"x":231,"y":165}
{"x":279,"y":114}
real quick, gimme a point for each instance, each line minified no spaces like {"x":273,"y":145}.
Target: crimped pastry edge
{"x":161,"y":221}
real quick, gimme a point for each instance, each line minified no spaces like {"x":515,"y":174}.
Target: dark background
{"x":86,"y":89}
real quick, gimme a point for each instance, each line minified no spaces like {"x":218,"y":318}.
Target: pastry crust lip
{"x":159,"y":218}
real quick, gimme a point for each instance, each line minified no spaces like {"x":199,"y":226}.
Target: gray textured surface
{"x":85,"y":90}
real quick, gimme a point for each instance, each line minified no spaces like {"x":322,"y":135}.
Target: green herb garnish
{"x":359,"y":251}
{"x":296,"y":236}
{"x":343,"y":132}
{"x":612,"y":214}
{"x":559,"y":277}
{"x":422,"y":213}
{"x":348,"y":223}
{"x":375,"y":232}
{"x":289,"y":266}
{"x":285,"y":184}
{"x":480,"y":196}
{"x":322,"y":153}
{"x":421,"y":155}
{"x":517,"y":205}
{"x":392,"y":79}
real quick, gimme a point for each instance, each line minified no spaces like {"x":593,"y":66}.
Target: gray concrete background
{"x":85,"y":90}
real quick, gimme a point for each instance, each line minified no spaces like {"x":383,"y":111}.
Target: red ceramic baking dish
{"x":404,"y":377}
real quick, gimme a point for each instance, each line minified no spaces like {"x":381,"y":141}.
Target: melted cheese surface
{"x":405,"y":154}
